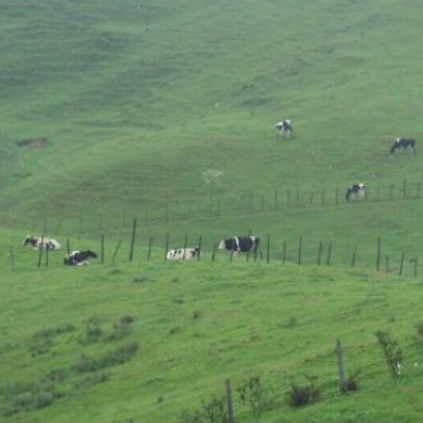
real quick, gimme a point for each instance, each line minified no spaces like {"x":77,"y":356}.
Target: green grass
{"x":136,"y":102}
{"x":197,"y":324}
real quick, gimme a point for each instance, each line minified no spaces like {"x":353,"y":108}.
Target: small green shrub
{"x":214,"y":409}
{"x":112,"y":358}
{"x":196,"y":315}
{"x":256,"y":395}
{"x":392,"y":352}
{"x":121,"y":328}
{"x":43,"y":399}
{"x":191,"y":416}
{"x":303,"y":394}
{"x":351,"y":384}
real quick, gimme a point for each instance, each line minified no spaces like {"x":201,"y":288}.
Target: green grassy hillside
{"x":154,"y":341}
{"x":135,"y":101}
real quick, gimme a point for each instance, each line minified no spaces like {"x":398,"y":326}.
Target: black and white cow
{"x":239,"y":243}
{"x":356,"y":192}
{"x":183,"y":254}
{"x":79,"y":258}
{"x":38,"y":242}
{"x":284,"y":128}
{"x":402,"y":144}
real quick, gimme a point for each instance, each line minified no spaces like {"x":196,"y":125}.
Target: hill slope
{"x":151,"y":342}
{"x":137,"y":101}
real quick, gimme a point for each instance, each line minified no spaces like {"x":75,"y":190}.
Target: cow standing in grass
{"x":356,"y":192}
{"x":401,"y":144}
{"x":240,"y":243}
{"x":284,"y":128}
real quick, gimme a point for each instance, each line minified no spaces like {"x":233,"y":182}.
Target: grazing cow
{"x":41,"y":242}
{"x":402,"y":144}
{"x":79,"y":258}
{"x":356,"y":192}
{"x":183,"y":254}
{"x":239,"y":243}
{"x":284,"y":128}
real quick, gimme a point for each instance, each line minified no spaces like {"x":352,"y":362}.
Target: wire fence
{"x":337,"y":370}
{"x":138,"y":247}
{"x":215,"y":206}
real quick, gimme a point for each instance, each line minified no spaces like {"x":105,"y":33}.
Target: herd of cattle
{"x":73,"y":258}
{"x":284,"y":128}
{"x":232,"y":244}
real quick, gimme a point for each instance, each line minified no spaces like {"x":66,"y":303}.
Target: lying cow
{"x":79,"y":258}
{"x":183,"y":254}
{"x":401,"y":144}
{"x":284,"y":128}
{"x":240,"y":243}
{"x":38,"y":242}
{"x":356,"y":192}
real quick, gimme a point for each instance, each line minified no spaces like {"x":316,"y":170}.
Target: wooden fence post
{"x":329,"y":254}
{"x":276,"y":200}
{"x":402,"y":263}
{"x":116,"y":251}
{"x":68,"y":246}
{"x":319,"y":253}
{"x":354,"y":256}
{"x":166,"y":245}
{"x":46,"y":259}
{"x":102,"y":248}
{"x":248,"y":252}
{"x":284,"y":251}
{"x":200,"y":241}
{"x":185,"y":246}
{"x":134,"y":231}
{"x":214,"y":252}
{"x":340,"y":364}
{"x":404,"y":188}
{"x":378,"y":254}
{"x":387,"y":264}
{"x":229,"y":406}
{"x":40,"y":252}
{"x":300,"y":249}
{"x":268,"y":248}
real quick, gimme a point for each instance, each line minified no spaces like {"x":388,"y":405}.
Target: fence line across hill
{"x":147,"y":248}
{"x":216,"y":206}
{"x":347,"y":365}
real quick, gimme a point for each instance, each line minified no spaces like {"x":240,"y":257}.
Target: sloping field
{"x":111,"y":114}
{"x":152,"y":342}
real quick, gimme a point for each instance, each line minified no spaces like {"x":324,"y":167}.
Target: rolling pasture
{"x":113,"y":111}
